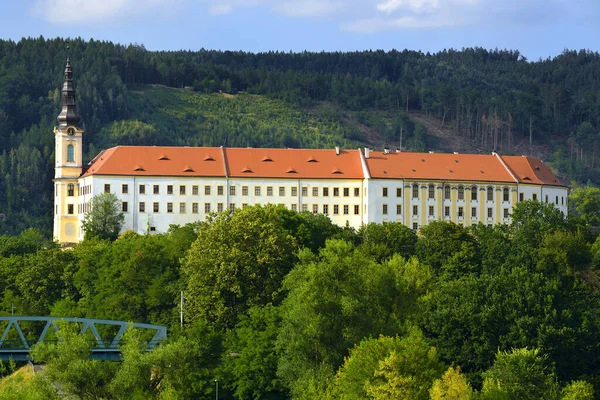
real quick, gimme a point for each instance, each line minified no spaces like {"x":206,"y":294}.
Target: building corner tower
{"x":68,"y":136}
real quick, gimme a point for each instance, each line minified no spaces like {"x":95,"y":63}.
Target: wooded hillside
{"x":472,"y":100}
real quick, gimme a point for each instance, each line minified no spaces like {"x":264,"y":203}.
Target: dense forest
{"x":473,"y":99}
{"x":284,"y":305}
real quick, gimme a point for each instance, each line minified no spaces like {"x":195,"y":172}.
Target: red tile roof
{"x":316,"y":164}
{"x":531,"y":170}
{"x":158,"y":161}
{"x":293,"y":163}
{"x":438,"y":166}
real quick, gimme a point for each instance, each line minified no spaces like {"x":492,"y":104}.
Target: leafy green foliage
{"x":451,"y":386}
{"x":520,"y":374}
{"x":238,"y":261}
{"x":105,"y":219}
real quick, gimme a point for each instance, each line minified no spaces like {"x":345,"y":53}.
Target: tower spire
{"x":68,"y":114}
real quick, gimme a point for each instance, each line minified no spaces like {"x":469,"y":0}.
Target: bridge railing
{"x":18,"y":349}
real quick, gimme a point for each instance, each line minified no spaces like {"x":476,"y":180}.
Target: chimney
{"x":366,"y":152}
{"x":337,"y":150}
{"x":386,"y":151}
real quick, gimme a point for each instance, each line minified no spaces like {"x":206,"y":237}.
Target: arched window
{"x":490,"y":194}
{"x":70,"y":153}
{"x":415,"y":191}
{"x":70,"y":189}
{"x":431,"y":192}
{"x":461,"y":193}
{"x":473,"y":192}
{"x":505,"y":194}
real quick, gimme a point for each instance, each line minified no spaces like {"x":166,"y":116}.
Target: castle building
{"x":159,"y":186}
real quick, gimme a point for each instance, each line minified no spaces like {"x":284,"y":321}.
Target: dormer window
{"x":70,"y":153}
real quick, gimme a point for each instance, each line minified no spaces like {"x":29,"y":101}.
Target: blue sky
{"x":537,"y":28}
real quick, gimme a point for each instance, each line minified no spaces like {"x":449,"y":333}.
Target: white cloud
{"x":94,"y":11}
{"x":390,"y":6}
{"x":372,"y":25}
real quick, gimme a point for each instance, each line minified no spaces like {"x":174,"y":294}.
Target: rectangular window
{"x":281,"y":191}
{"x":142,"y":189}
{"x":70,"y":209}
{"x":336,"y":192}
{"x":431,"y":211}
{"x":294,"y":207}
{"x":346,"y":209}
{"x":315,"y":192}
{"x":124,"y":188}
{"x":521,"y":196}
{"x":356,"y":209}
{"x":461,"y":212}
{"x":346,"y":192}
{"x":415,"y":210}
{"x":325,"y":209}
{"x":142,"y":206}
{"x":207,"y":208}
{"x":490,"y":194}
{"x":447,"y":211}
{"x":219,"y":190}
{"x":219,"y":207}
{"x":232,"y":207}
{"x":315,"y":208}
{"x":460,"y":193}
{"x":446,"y":192}
{"x":269,"y":190}
{"x":506,"y":213}
{"x":169,"y":189}
{"x":106,"y":188}
{"x":336,"y":209}
{"x":244,"y":205}
{"x":155,"y":189}
{"x":294,"y":191}
{"x":194,"y":208}
{"x":257,"y":190}
{"x":384,"y":209}
{"x":490,"y":211}
{"x":505,"y":194}
{"x":431,"y":192}
{"x":304,"y":191}
{"x":398,"y":192}
{"x":534,"y":197}
{"x":356,"y":192}
{"x":181,"y":208}
{"x":169,"y":207}
{"x":207,"y":190}
{"x":244,"y":190}
{"x":304,"y":207}
{"x":474,"y":212}
{"x":415,"y":191}
{"x":398,"y":209}
{"x":546,"y":199}
{"x":155,"y":207}
{"x":556,"y":201}
{"x":195,"y":190}
{"x":325,"y":191}
{"x":182,"y":189}
{"x":415,"y":226}
{"x":232,"y":190}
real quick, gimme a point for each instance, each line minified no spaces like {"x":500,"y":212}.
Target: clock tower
{"x":68,"y":153}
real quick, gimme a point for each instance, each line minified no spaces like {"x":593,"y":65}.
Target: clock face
{"x":70,"y":131}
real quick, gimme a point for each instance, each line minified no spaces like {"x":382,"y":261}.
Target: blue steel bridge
{"x":107,"y":348}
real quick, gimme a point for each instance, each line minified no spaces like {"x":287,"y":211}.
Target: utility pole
{"x":181,"y":309}
{"x":216,"y":389}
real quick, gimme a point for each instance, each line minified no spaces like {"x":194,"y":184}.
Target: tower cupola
{"x":68,"y":114}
